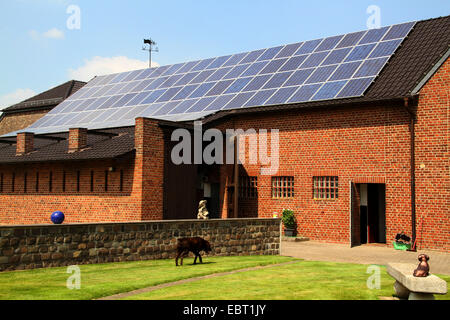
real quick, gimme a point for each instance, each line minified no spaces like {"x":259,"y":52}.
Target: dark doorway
{"x":368,"y":216}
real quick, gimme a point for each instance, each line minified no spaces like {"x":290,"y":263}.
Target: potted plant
{"x":289,"y":223}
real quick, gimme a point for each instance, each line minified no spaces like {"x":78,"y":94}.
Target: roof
{"x":99,"y":147}
{"x":426,"y":44}
{"x":47,"y":99}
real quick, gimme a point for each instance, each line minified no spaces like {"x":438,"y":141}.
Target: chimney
{"x":25,"y":143}
{"x":77,"y":139}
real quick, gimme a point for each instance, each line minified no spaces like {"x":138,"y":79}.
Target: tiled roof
{"x":99,"y":147}
{"x":424,"y":46}
{"x":49,"y":98}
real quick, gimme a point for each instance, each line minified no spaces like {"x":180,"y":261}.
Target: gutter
{"x":412,"y":117}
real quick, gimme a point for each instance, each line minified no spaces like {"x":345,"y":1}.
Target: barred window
{"x":282,"y":187}
{"x":325,"y":187}
{"x":248,"y":187}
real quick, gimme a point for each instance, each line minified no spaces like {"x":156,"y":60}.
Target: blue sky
{"x":39,"y":51}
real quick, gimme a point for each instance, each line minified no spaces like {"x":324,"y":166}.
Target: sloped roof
{"x":98,"y":147}
{"x":47,"y":99}
{"x":419,"y":52}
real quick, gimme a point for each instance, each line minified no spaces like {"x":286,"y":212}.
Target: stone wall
{"x":40,"y":246}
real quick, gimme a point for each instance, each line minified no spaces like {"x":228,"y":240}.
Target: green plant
{"x":288,"y":219}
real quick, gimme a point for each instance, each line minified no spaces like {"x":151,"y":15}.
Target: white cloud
{"x":54,"y":34}
{"x":98,"y":66}
{"x":50,"y":34}
{"x":14,"y":97}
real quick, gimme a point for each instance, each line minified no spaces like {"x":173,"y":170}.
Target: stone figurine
{"x":423,"y":268}
{"x":202,"y":210}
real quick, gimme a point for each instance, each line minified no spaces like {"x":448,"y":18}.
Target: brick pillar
{"x":77,"y":139}
{"x":149,"y":168}
{"x":25,"y":143}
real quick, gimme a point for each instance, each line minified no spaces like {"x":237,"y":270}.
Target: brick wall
{"x":37,"y":246}
{"x":16,"y":121}
{"x":140,"y":199}
{"x":432,"y":159}
{"x":369,"y":144}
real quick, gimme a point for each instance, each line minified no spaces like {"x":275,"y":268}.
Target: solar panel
{"x":329,"y":90}
{"x":355,"y":87}
{"x":321,"y":74}
{"x":304,"y":93}
{"x":345,"y":71}
{"x":330,"y":68}
{"x":281,"y":96}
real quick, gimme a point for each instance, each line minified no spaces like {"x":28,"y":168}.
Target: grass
{"x":304,"y":280}
{"x":100,"y":280}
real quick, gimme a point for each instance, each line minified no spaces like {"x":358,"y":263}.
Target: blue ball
{"x":57,"y":217}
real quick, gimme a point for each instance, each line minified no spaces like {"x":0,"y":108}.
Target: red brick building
{"x":354,"y":170}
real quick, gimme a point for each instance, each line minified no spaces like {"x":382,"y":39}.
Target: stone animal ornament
{"x":194,"y":245}
{"x":202,"y":210}
{"x":423,"y":268}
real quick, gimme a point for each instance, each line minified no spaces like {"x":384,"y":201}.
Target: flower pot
{"x":289,"y":232}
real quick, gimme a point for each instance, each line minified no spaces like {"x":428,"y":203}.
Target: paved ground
{"x":365,"y":254}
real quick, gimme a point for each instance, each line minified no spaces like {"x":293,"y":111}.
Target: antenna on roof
{"x":150,"y":49}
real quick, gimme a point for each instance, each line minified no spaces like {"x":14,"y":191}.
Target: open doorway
{"x":368,"y":213}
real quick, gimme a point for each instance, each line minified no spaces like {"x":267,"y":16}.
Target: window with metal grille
{"x":325,"y":187}
{"x":248,"y":187}
{"x":282,"y":187}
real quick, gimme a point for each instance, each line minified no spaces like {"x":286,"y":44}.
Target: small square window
{"x":282,"y":187}
{"x":325,"y":187}
{"x":248,"y":187}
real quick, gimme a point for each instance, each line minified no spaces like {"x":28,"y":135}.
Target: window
{"x":282,"y":187}
{"x":13,"y":182}
{"x":106,"y":180}
{"x":1,"y":183}
{"x":248,"y":187}
{"x":325,"y":187}
{"x":25,"y":182}
{"x":78,"y":181}
{"x":121,"y":180}
{"x":92,"y":181}
{"x":37,"y":182}
{"x":64,"y":182}
{"x":50,"y":182}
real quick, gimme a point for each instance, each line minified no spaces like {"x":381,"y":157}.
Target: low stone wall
{"x":40,"y":246}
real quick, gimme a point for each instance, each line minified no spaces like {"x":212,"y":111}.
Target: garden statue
{"x":202,"y":210}
{"x":423,"y":268}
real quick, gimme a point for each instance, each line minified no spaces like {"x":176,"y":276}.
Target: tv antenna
{"x":151,"y":48}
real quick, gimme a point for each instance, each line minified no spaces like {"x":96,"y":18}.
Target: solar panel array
{"x":330,"y":68}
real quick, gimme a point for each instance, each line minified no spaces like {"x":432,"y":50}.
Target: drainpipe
{"x":412,"y":118}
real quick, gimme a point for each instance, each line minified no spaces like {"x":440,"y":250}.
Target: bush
{"x":288,"y":219}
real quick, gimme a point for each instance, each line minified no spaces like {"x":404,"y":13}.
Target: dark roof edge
{"x":119,"y":157}
{"x":35,"y":103}
{"x":433,"y":70}
{"x":224,"y":113}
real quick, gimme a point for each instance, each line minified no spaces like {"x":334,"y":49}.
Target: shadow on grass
{"x":197,"y":264}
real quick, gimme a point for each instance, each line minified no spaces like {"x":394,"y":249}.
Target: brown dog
{"x":423,"y":268}
{"x":194,"y":245}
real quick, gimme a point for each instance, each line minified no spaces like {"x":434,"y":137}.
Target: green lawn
{"x":308,"y":280}
{"x":99,"y":280}
{"x":300,"y":280}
